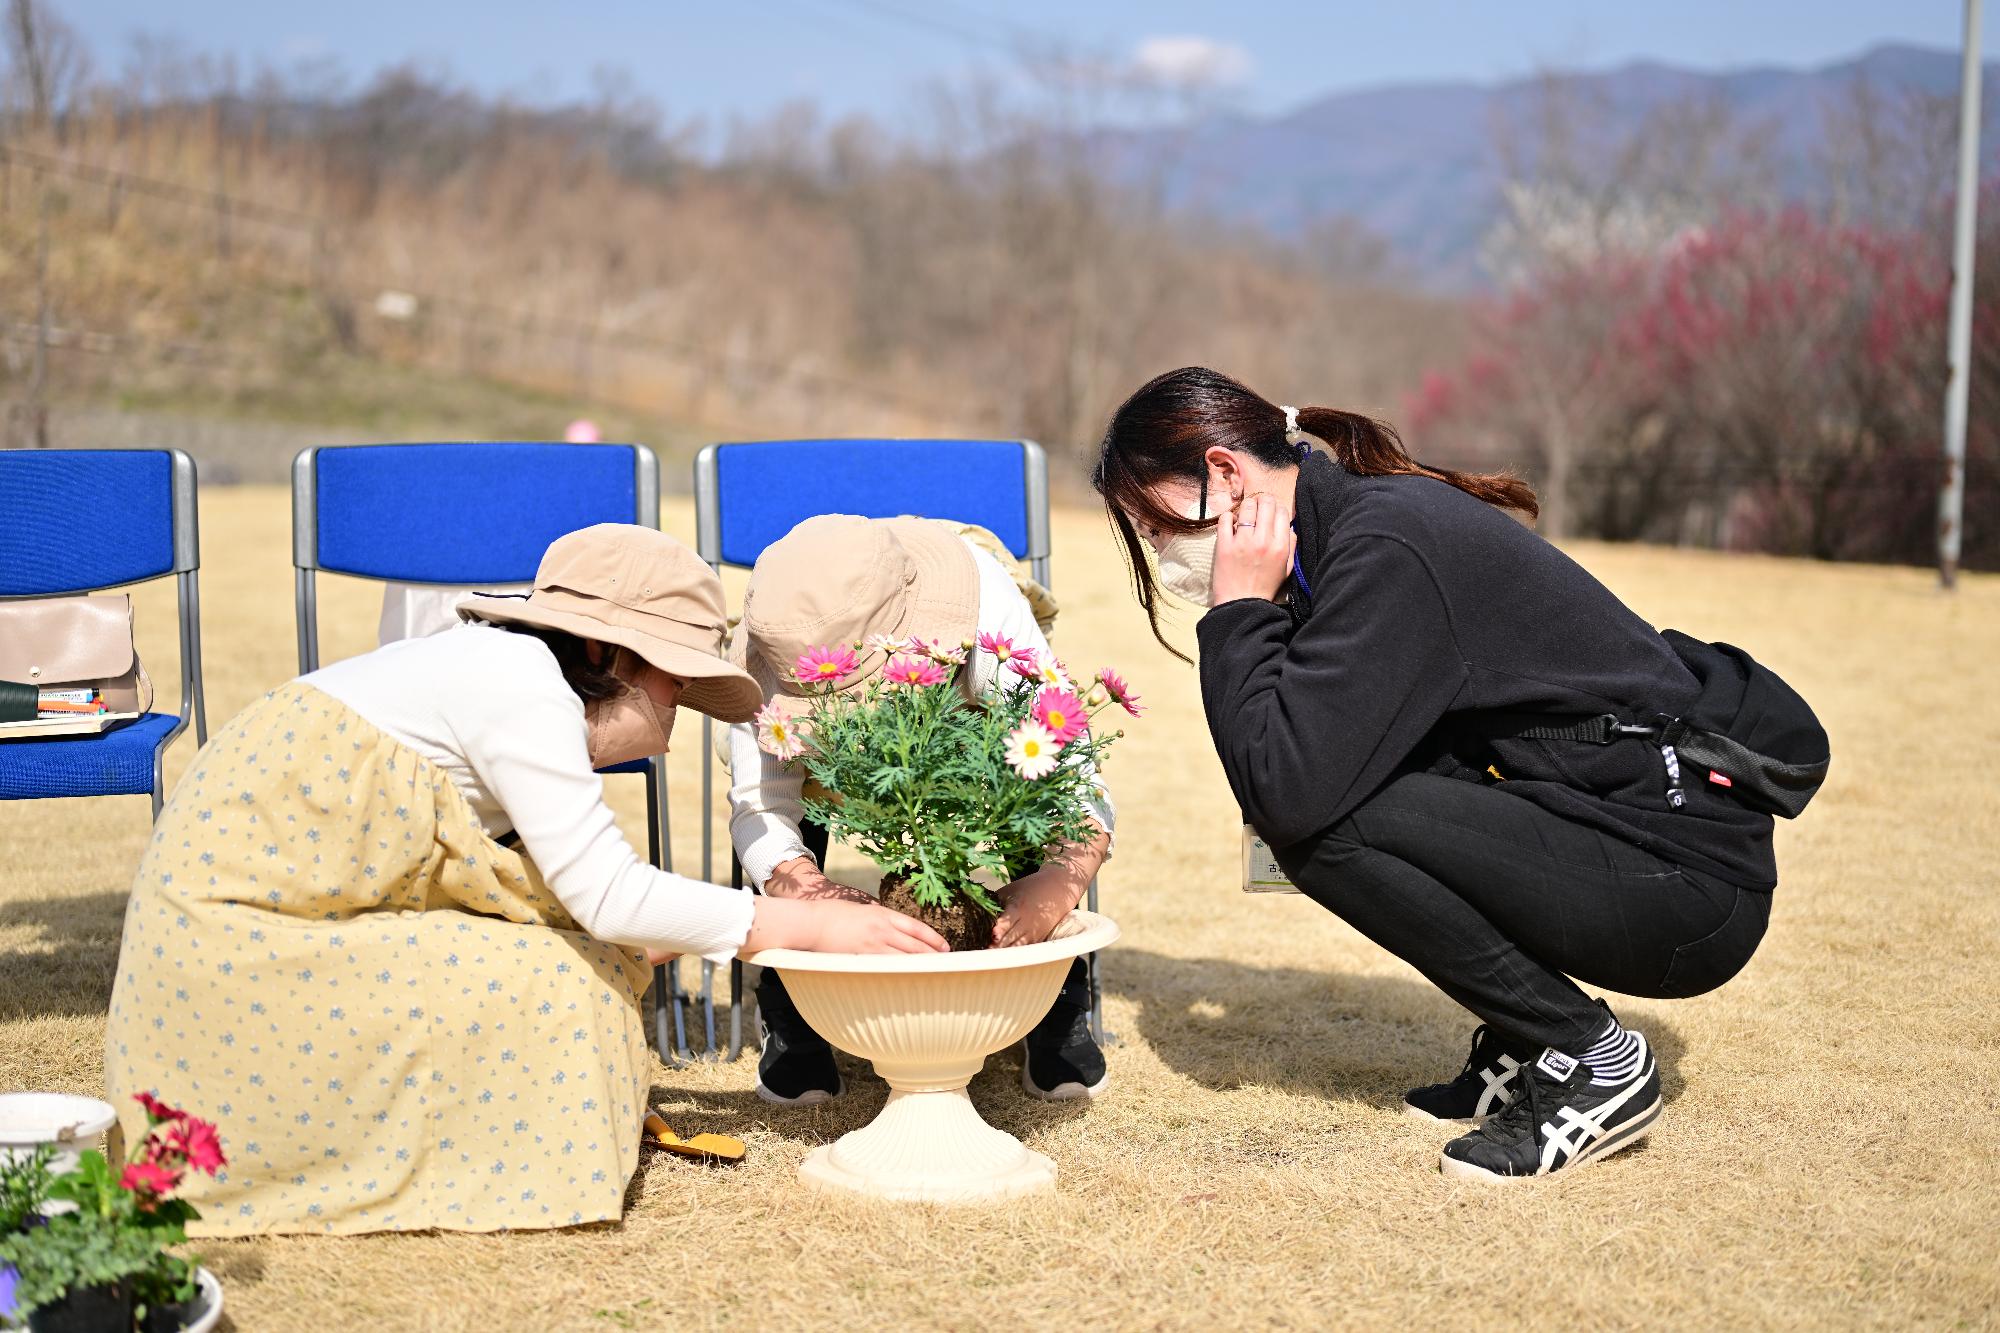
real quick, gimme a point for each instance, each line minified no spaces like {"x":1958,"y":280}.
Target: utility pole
{"x":1951,"y":500}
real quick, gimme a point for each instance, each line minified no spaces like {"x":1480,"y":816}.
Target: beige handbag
{"x":75,"y":643}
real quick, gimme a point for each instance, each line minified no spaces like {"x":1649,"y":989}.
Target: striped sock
{"x":1615,"y":1056}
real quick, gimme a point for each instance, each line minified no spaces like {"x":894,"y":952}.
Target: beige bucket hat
{"x":622,"y":584}
{"x":838,"y":579}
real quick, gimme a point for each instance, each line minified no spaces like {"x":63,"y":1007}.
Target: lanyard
{"x":1298,"y":569}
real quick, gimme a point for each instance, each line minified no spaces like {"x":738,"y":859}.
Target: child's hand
{"x":1036,"y":904}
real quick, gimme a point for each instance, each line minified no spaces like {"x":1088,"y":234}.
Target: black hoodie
{"x":1422,"y":609}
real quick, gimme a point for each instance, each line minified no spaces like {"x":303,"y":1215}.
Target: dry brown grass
{"x":1829,"y":1156}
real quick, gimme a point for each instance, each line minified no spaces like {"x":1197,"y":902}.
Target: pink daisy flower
{"x":1031,"y":751}
{"x":1024,"y":664}
{"x":1121,"y":693}
{"x":999,"y":645}
{"x":825,"y":665}
{"x":886,"y":644}
{"x":1062,"y":713}
{"x":913,"y":671}
{"x":778,"y":734}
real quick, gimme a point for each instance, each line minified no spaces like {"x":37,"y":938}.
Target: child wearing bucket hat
{"x":388,"y":932}
{"x":839,"y":579}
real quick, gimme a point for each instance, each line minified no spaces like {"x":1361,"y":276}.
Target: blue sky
{"x":718,"y":60}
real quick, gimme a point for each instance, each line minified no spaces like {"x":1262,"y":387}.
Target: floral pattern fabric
{"x":394,"y":1022}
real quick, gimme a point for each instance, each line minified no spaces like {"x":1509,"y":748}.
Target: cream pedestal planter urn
{"x":928,"y":1022}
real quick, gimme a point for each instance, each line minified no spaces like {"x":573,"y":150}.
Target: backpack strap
{"x":1600,"y":730}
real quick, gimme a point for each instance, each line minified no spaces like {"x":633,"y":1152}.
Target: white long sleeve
{"x":765,"y":806}
{"x":765,"y":794}
{"x":492,"y":710}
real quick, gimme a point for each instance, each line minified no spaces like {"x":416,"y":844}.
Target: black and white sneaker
{"x":796,"y":1066}
{"x":1558,"y":1119}
{"x":1062,"y":1062}
{"x":1484,"y":1086}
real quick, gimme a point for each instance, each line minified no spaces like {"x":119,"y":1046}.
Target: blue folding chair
{"x":472,"y":516}
{"x":85,"y":520}
{"x":747,"y":496}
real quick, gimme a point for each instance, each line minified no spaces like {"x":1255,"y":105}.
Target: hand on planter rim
{"x":1037,"y":902}
{"x":831,"y":926}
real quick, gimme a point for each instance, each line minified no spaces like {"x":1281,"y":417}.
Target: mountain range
{"x":1421,"y":165}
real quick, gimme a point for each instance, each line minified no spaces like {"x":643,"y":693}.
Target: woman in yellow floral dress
{"x":387,"y":933}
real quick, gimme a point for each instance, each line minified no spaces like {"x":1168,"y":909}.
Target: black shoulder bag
{"x":1753,"y":735}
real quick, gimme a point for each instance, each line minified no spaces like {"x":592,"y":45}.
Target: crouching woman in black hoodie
{"x":1393,"y":669}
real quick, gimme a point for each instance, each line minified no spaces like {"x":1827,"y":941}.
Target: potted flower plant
{"x":948,"y":797}
{"x":951,"y":799}
{"x":104,"y":1263}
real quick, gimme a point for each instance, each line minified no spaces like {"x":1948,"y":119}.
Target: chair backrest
{"x":748,"y":495}
{"x":78,"y":520}
{"x":471,"y":515}
{"x":82,"y":520}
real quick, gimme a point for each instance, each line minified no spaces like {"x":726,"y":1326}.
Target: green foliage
{"x":114,"y":1234}
{"x":25,"y":1181}
{"x":918,"y":780}
{"x":72,"y":1252}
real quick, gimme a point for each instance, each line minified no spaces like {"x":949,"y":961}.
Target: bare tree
{"x":47,"y":64}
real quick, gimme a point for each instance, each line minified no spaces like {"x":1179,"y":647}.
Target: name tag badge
{"x":1260,"y":869}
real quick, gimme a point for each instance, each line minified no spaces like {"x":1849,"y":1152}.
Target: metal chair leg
{"x":678,"y":998}
{"x":1097,"y":1031}
{"x":666,"y":990}
{"x":711,"y":1051}
{"x":735,"y":977}
{"x":662,"y":999}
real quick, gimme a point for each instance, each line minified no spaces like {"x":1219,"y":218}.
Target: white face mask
{"x":1187,"y":563}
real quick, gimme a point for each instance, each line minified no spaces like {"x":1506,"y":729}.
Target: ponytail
{"x":1370,"y":448}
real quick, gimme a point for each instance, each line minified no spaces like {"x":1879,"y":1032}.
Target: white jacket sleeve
{"x":526,"y":742}
{"x":765,"y":809}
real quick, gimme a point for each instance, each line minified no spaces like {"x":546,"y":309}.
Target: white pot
{"x":67,"y":1123}
{"x":928,"y":1022}
{"x":211,"y":1290}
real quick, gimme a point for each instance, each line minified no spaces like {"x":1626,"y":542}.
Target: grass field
{"x":1830,"y":1154}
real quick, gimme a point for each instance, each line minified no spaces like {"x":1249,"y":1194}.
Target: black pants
{"x":1499,"y":903}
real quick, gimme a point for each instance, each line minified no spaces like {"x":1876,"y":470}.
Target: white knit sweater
{"x":492,"y":710}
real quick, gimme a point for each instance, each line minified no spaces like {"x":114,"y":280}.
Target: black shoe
{"x":1063,"y":1061}
{"x":796,"y":1067}
{"x":1484,"y":1086}
{"x":1558,"y":1119}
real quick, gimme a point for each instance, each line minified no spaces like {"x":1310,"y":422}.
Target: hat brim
{"x":944,"y":609}
{"x":714,"y":686}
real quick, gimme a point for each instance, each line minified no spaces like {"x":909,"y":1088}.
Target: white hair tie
{"x":1293,"y":435}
